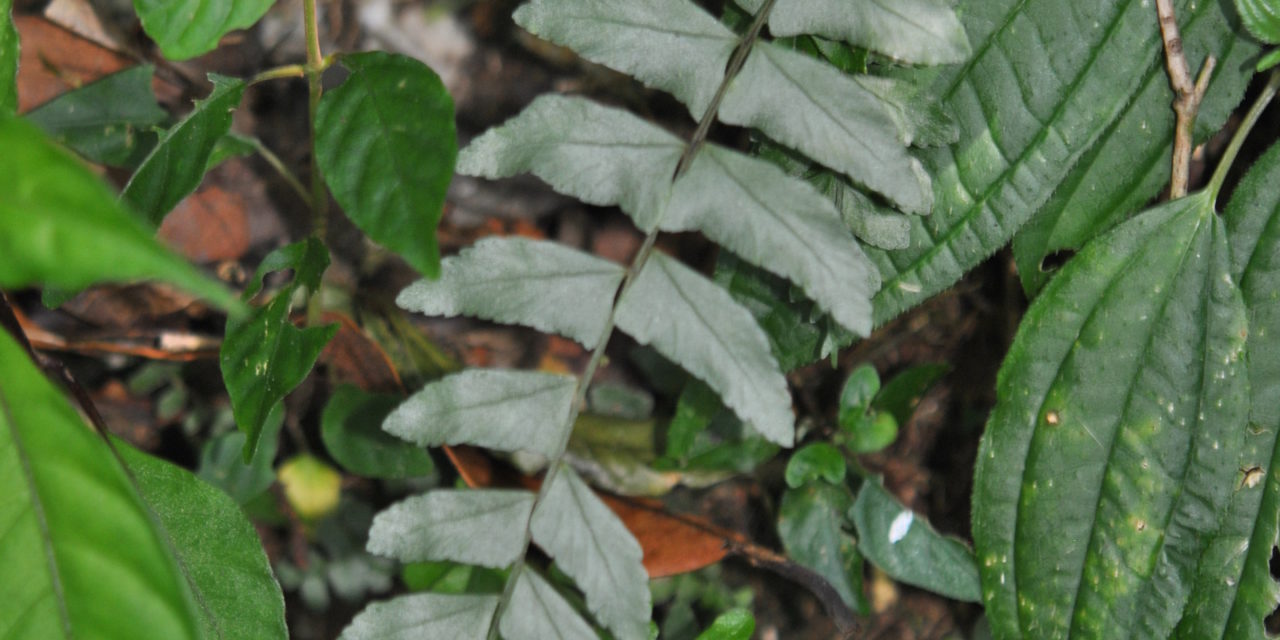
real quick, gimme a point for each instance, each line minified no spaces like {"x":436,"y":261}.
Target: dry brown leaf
{"x":210,"y":225}
{"x":355,"y":359}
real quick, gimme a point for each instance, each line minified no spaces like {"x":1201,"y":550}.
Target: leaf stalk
{"x":1238,"y":138}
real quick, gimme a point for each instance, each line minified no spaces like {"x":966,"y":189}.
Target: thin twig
{"x":1187,"y":96}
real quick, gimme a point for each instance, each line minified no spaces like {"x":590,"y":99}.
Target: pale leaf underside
{"x":484,"y":527}
{"x":498,"y":409}
{"x":539,"y":612}
{"x":424,"y":615}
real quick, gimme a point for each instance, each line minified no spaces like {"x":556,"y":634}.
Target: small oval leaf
{"x":484,"y":527}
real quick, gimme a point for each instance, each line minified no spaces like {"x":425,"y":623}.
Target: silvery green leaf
{"x":817,"y":110}
{"x":600,"y":155}
{"x":593,"y":547}
{"x":424,"y":615}
{"x":484,"y":527}
{"x":690,"y":320}
{"x":873,"y":223}
{"x":498,"y":409}
{"x":544,"y":285}
{"x":539,"y":612}
{"x":921,"y":120}
{"x":780,"y":223}
{"x":918,"y":31}
{"x":670,"y":45}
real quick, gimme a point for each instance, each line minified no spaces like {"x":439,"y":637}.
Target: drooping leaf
{"x":778,"y":222}
{"x":903,"y":545}
{"x":916,"y":31}
{"x":592,"y":546}
{"x":671,"y":45}
{"x":424,"y":615}
{"x":813,"y":463}
{"x":484,"y":527}
{"x":218,"y":550}
{"x":177,"y":163}
{"x":61,"y":226}
{"x":107,"y":121}
{"x":600,"y":155}
{"x":264,"y":356}
{"x":1261,"y":18}
{"x":1129,"y":163}
{"x":1235,"y":591}
{"x":543,"y":285}
{"x":813,"y":108}
{"x":351,"y":428}
{"x":734,"y":624}
{"x":187,"y":28}
{"x":8,"y":61}
{"x":69,"y":504}
{"x":810,"y":524}
{"x":386,"y":146}
{"x":537,"y":611}
{"x":1111,"y":453}
{"x":499,"y":409}
{"x":1046,"y":81}
{"x":695,"y":323}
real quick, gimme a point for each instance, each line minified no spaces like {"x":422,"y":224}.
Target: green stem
{"x":277,"y":164}
{"x":319,"y":198}
{"x":1237,"y":140}
{"x":287,"y":71}
{"x":633,"y":271}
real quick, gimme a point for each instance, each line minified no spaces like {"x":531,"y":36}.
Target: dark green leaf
{"x":352,"y":431}
{"x":900,"y":395}
{"x":176,"y":165}
{"x":1112,"y":451}
{"x":1261,"y":18}
{"x":871,"y":432}
{"x":735,"y":624}
{"x":695,"y":408}
{"x":217,"y":548}
{"x":1129,"y":163}
{"x":793,"y":339}
{"x":861,"y":386}
{"x":814,"y":462}
{"x":1046,"y":82}
{"x":810,"y":523}
{"x":264,"y":356}
{"x":68,"y":506}
{"x":187,"y":28}
{"x":904,"y":546}
{"x":61,"y":226}
{"x":222,"y":461}
{"x":108,"y":121}
{"x":386,"y":146}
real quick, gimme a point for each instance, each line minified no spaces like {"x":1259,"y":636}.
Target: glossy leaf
{"x":61,"y":226}
{"x":8,"y":61}
{"x":484,"y":527}
{"x":351,"y":428}
{"x":1110,"y":456}
{"x":734,"y":624}
{"x":811,"y":526}
{"x":187,"y":28}
{"x":903,"y":545}
{"x":386,"y":146}
{"x":860,"y":388}
{"x":592,"y":546}
{"x":538,"y":611}
{"x":499,"y":409}
{"x":815,"y":462}
{"x":600,"y":155}
{"x":218,"y":550}
{"x":543,"y":285}
{"x":424,"y":615}
{"x":671,"y":45}
{"x":107,"y":121}
{"x":1129,"y":164}
{"x":1261,"y":18}
{"x":177,"y":163}
{"x":780,"y":223}
{"x":68,"y":505}
{"x":813,"y":108}
{"x":695,"y":323}
{"x":1046,"y":82}
{"x":264,"y":356}
{"x":916,"y":31}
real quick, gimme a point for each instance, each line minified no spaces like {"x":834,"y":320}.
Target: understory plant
{"x":1128,"y":480}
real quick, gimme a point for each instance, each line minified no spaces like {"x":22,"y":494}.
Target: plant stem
{"x":287,"y":71}
{"x":1188,"y":96}
{"x":1237,"y":139}
{"x":277,"y":164}
{"x":633,"y":271}
{"x":319,"y":198}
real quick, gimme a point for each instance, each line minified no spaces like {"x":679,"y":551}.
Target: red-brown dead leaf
{"x":355,"y":359}
{"x":210,"y":225}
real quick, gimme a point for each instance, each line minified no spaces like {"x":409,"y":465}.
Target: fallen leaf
{"x":355,"y":359}
{"x":210,"y":225}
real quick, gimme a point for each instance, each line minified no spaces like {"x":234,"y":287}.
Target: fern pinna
{"x":854,"y":126}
